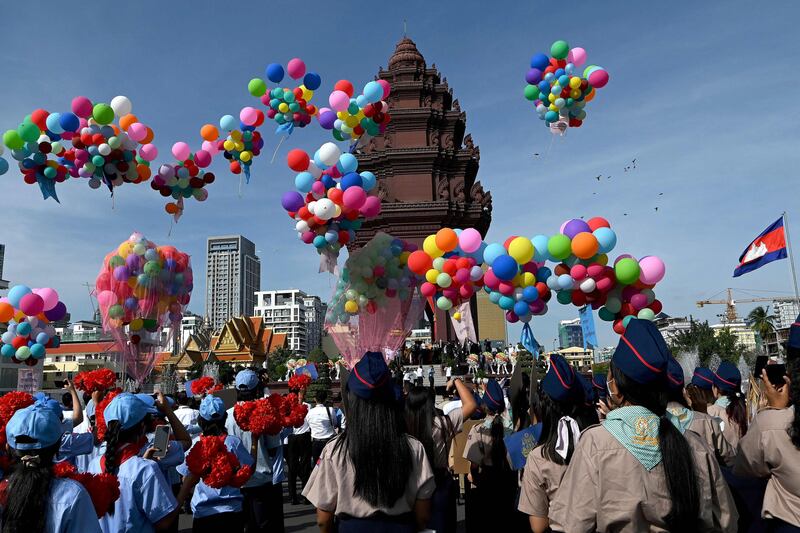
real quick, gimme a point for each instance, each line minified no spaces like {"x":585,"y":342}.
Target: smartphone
{"x":761,"y":362}
{"x":775,"y":374}
{"x":161,"y":441}
{"x":59,"y":383}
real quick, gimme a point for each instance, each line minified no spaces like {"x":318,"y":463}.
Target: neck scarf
{"x":566,"y":425}
{"x":680,"y":416}
{"x":723,"y":401}
{"x":636,"y":428}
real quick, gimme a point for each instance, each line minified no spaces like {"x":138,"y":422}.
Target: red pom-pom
{"x":99,"y":419}
{"x":10,"y":403}
{"x":100,"y":380}
{"x":211,"y":461}
{"x":268,"y":416}
{"x":103,"y":489}
{"x":299,"y":381}
{"x":205,"y":385}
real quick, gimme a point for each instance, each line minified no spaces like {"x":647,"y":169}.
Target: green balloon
{"x":116,"y":311}
{"x":531,"y":92}
{"x":12,"y":140}
{"x":646,"y":314}
{"x":152,"y":268}
{"x":559,"y":246}
{"x":103,"y":114}
{"x":564,"y":297}
{"x":627,"y":271}
{"x":444,"y":303}
{"x":98,"y":160}
{"x":116,"y":261}
{"x":605,"y":314}
{"x":50,"y":172}
{"x":559,"y":50}
{"x":337,"y":135}
{"x":29,"y":132}
{"x":257,"y":87}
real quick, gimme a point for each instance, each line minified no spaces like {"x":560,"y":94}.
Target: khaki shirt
{"x":540,"y":481}
{"x":766,"y":450}
{"x":330,"y":486}
{"x":478,"y":449}
{"x":606,"y":488}
{"x":443,"y":434}
{"x":710,"y":430}
{"x":729,"y":429}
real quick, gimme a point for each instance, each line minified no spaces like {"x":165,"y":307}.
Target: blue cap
{"x":727,"y":378}
{"x":675,"y":380}
{"x":642,"y":354}
{"x":589,"y":394}
{"x":371,"y":378}
{"x":90,"y":408}
{"x":703,"y":378}
{"x":150,"y":402}
{"x":246,"y":380}
{"x":212,"y":408}
{"x":560,"y":382}
{"x":794,"y":334}
{"x":493,"y":397}
{"x":49,"y":403}
{"x":127,"y":409}
{"x":600,"y":386}
{"x":36,"y":421}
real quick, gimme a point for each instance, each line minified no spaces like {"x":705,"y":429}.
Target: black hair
{"x":245,"y":395}
{"x":375,"y":433}
{"x":497,"y":433}
{"x":321,"y":396}
{"x":419,"y":416}
{"x":737,"y":409}
{"x":28,"y":489}
{"x":66,"y":400}
{"x":116,"y":436}
{"x":793,"y":371}
{"x":549,"y":412}
{"x":676,"y":455}
{"x":182,"y":398}
{"x":676,"y":395}
{"x":213,"y":428}
{"x":701,"y":398}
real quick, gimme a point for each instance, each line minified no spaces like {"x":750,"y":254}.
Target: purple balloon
{"x":575,"y":226}
{"x":533,"y":76}
{"x":292,"y":201}
{"x":121,"y":273}
{"x":56,"y":313}
{"x":326,"y":119}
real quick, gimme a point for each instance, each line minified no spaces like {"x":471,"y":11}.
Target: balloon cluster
{"x":84,"y":142}
{"x":330,"y":197}
{"x":557,"y":87}
{"x":289,"y":107}
{"x":140,"y":288}
{"x":243,"y":141}
{"x":27,"y":314}
{"x":452,"y":276}
{"x":377,"y":272}
{"x":351,"y":117}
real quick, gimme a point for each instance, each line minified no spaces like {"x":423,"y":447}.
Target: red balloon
{"x":19,"y":342}
{"x":463,"y":262}
{"x":419,"y":262}
{"x":598,"y":222}
{"x":618,"y":327}
{"x":450,"y":267}
{"x":508,"y":241}
{"x":656,"y":306}
{"x":39,"y":117}
{"x":344,"y":237}
{"x":344,"y":86}
{"x":297,"y":160}
{"x":578,"y":298}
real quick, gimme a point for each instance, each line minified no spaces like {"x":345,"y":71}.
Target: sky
{"x":701,"y":95}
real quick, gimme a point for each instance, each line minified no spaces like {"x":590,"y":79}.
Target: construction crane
{"x":730,"y":303}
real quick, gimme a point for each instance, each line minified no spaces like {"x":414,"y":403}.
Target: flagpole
{"x":791,"y":258}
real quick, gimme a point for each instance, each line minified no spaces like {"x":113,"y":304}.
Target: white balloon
{"x":325,"y":209}
{"x":329,"y":154}
{"x":314,"y":170}
{"x":121,"y":105}
{"x":302,"y":226}
{"x":104,"y":149}
{"x":312,"y":206}
{"x":588,"y":285}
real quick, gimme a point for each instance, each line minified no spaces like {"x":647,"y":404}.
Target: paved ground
{"x":297,"y":518}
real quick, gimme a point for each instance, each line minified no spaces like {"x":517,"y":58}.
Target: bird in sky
{"x":598,"y":177}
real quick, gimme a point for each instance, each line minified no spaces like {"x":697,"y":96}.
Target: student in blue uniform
{"x":263,"y":494}
{"x":146,"y":502}
{"x":216,"y":510}
{"x":32,"y":499}
{"x":72,"y":444}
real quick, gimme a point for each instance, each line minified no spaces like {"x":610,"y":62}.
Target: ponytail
{"x":498,"y":453}
{"x":213,"y":428}
{"x":676,"y":455}
{"x":112,"y":447}
{"x":737,"y":410}
{"x":28,"y":489}
{"x":793,"y":370}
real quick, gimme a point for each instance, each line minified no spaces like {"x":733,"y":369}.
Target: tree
{"x":323,"y":382}
{"x":699,"y":337}
{"x":226,"y":371}
{"x":276,"y":363}
{"x":761,"y":322}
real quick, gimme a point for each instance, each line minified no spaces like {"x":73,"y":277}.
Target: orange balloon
{"x":585,"y":245}
{"x":171,"y":208}
{"x":589,"y":97}
{"x":6,"y":312}
{"x":149,"y":137}
{"x":127,"y":120}
{"x":209,"y":132}
{"x":336,"y":195}
{"x":144,"y":172}
{"x":446,"y":240}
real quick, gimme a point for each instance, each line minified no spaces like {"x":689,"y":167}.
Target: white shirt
{"x":319,"y":420}
{"x":448,"y":372}
{"x":305,"y":428}
{"x":187,"y":415}
{"x":451,"y":406}
{"x":419,"y":373}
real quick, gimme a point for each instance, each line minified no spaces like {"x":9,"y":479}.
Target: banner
{"x":30,"y":379}
{"x":529,"y":341}
{"x":464,"y":328}
{"x":310,"y":369}
{"x":587,"y":327}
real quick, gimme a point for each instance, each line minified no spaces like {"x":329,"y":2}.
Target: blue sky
{"x":701,"y":94}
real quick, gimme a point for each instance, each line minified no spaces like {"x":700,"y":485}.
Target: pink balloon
{"x":31,"y":304}
{"x":248,"y":115}
{"x":577,"y":56}
{"x":318,"y":188}
{"x":210,"y":147}
{"x":387,"y":88}
{"x":652,"y":270}
{"x":371,"y":207}
{"x":598,"y":78}
{"x":339,"y":100}
{"x":354,"y":197}
{"x":296,"y":68}
{"x":639,"y":301}
{"x":49,"y":296}
{"x":82,"y":106}
{"x":506,"y":288}
{"x":427,"y":289}
{"x":462,"y":275}
{"x":148,"y":152}
{"x":490,"y":280}
{"x":137,"y":131}
{"x":470,"y":240}
{"x":578,"y":272}
{"x":181,"y":151}
{"x":202,"y":158}
{"x":466,"y":291}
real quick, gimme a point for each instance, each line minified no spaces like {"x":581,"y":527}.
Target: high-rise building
{"x":233,"y":276}
{"x":492,"y":324}
{"x":785,"y":313}
{"x":299,"y":315}
{"x":671,"y":326}
{"x":3,"y":283}
{"x":570,"y":334}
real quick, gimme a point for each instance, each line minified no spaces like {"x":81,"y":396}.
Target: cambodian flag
{"x":767,"y":247}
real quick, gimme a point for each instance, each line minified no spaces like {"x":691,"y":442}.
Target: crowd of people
{"x":638,"y":449}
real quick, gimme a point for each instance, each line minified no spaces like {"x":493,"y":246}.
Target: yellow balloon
{"x":132,"y":282}
{"x":551,"y":97}
{"x":245,"y":156}
{"x":342,"y":114}
{"x":457,"y":316}
{"x":307,"y":93}
{"x":574,"y":82}
{"x":351,"y":307}
{"x":601,"y":259}
{"x":404,"y":257}
{"x":575,"y":93}
{"x":527,"y":279}
{"x":283,"y":107}
{"x":521,"y":249}
{"x":430,"y":248}
{"x":516,"y":281}
{"x":137,"y":323}
{"x":338,"y":211}
{"x":228,"y":145}
{"x":553,"y":108}
{"x":239,"y":146}
{"x":124,"y":249}
{"x":431,"y":275}
{"x":236,"y":135}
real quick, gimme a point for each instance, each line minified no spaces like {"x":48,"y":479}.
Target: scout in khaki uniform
{"x":684,"y":418}
{"x":560,"y":396}
{"x":635,"y":472}
{"x":373,"y":477}
{"x":730,"y":406}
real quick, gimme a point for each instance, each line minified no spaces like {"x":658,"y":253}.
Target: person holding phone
{"x":216,"y":510}
{"x":771,"y":447}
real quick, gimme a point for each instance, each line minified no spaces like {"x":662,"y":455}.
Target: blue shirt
{"x":208,"y":501}
{"x":73,"y":445}
{"x":269,"y":463}
{"x":83,"y":462}
{"x":69,"y":509}
{"x":145,"y":497}
{"x":167,"y":464}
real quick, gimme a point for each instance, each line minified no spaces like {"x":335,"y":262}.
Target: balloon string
{"x":241,"y":183}
{"x":171,"y":224}
{"x":275,"y":153}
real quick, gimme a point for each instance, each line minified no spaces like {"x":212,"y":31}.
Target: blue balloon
{"x":274,"y":72}
{"x":56,"y":341}
{"x":228,"y":123}
{"x":606,"y":238}
{"x":37,"y":351}
{"x":347,"y":163}
{"x":304,"y":181}
{"x":492,"y":252}
{"x":543,"y":274}
{"x":521,"y":308}
{"x":565,"y":281}
{"x":505,"y":267}
{"x":506,"y":303}
{"x":23,"y":329}
{"x":319,"y":241}
{"x":351,"y":180}
{"x":540,"y":61}
{"x":16,"y":293}
{"x":69,"y":122}
{"x":3,"y":166}
{"x":368,"y":180}
{"x":544,"y":87}
{"x":373,"y":91}
{"x":551,"y":116}
{"x":42,"y":337}
{"x":540,"y":248}
{"x":312,"y":81}
{"x":53,"y":122}
{"x":327,"y":181}
{"x":530,"y":294}
{"x":331,"y":236}
{"x":361,"y":101}
{"x":7,"y":350}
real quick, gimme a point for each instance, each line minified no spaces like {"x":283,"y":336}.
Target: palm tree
{"x":761,"y":322}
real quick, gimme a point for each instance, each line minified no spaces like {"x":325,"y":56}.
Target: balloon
{"x":521,"y":249}
{"x":559,"y":50}
{"x":577,"y":56}
{"x":627,"y":270}
{"x":312,"y":81}
{"x":339,"y":100}
{"x":181,"y":151}
{"x":275,"y":72}
{"x":585,"y":245}
{"x":16,"y":293}
{"x":329,"y":154}
{"x":505,"y":267}
{"x":574,"y":226}
{"x":446,"y":240}
{"x":31,"y":304}
{"x":606,"y":239}
{"x":652,"y":270}
{"x":121,"y":106}
{"x":598,"y":78}
{"x":430,"y":247}
{"x":296,"y":68}
{"x":492,"y":252}
{"x":297,"y":160}
{"x":559,"y":246}
{"x":292,"y":201}
{"x":469,"y":240}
